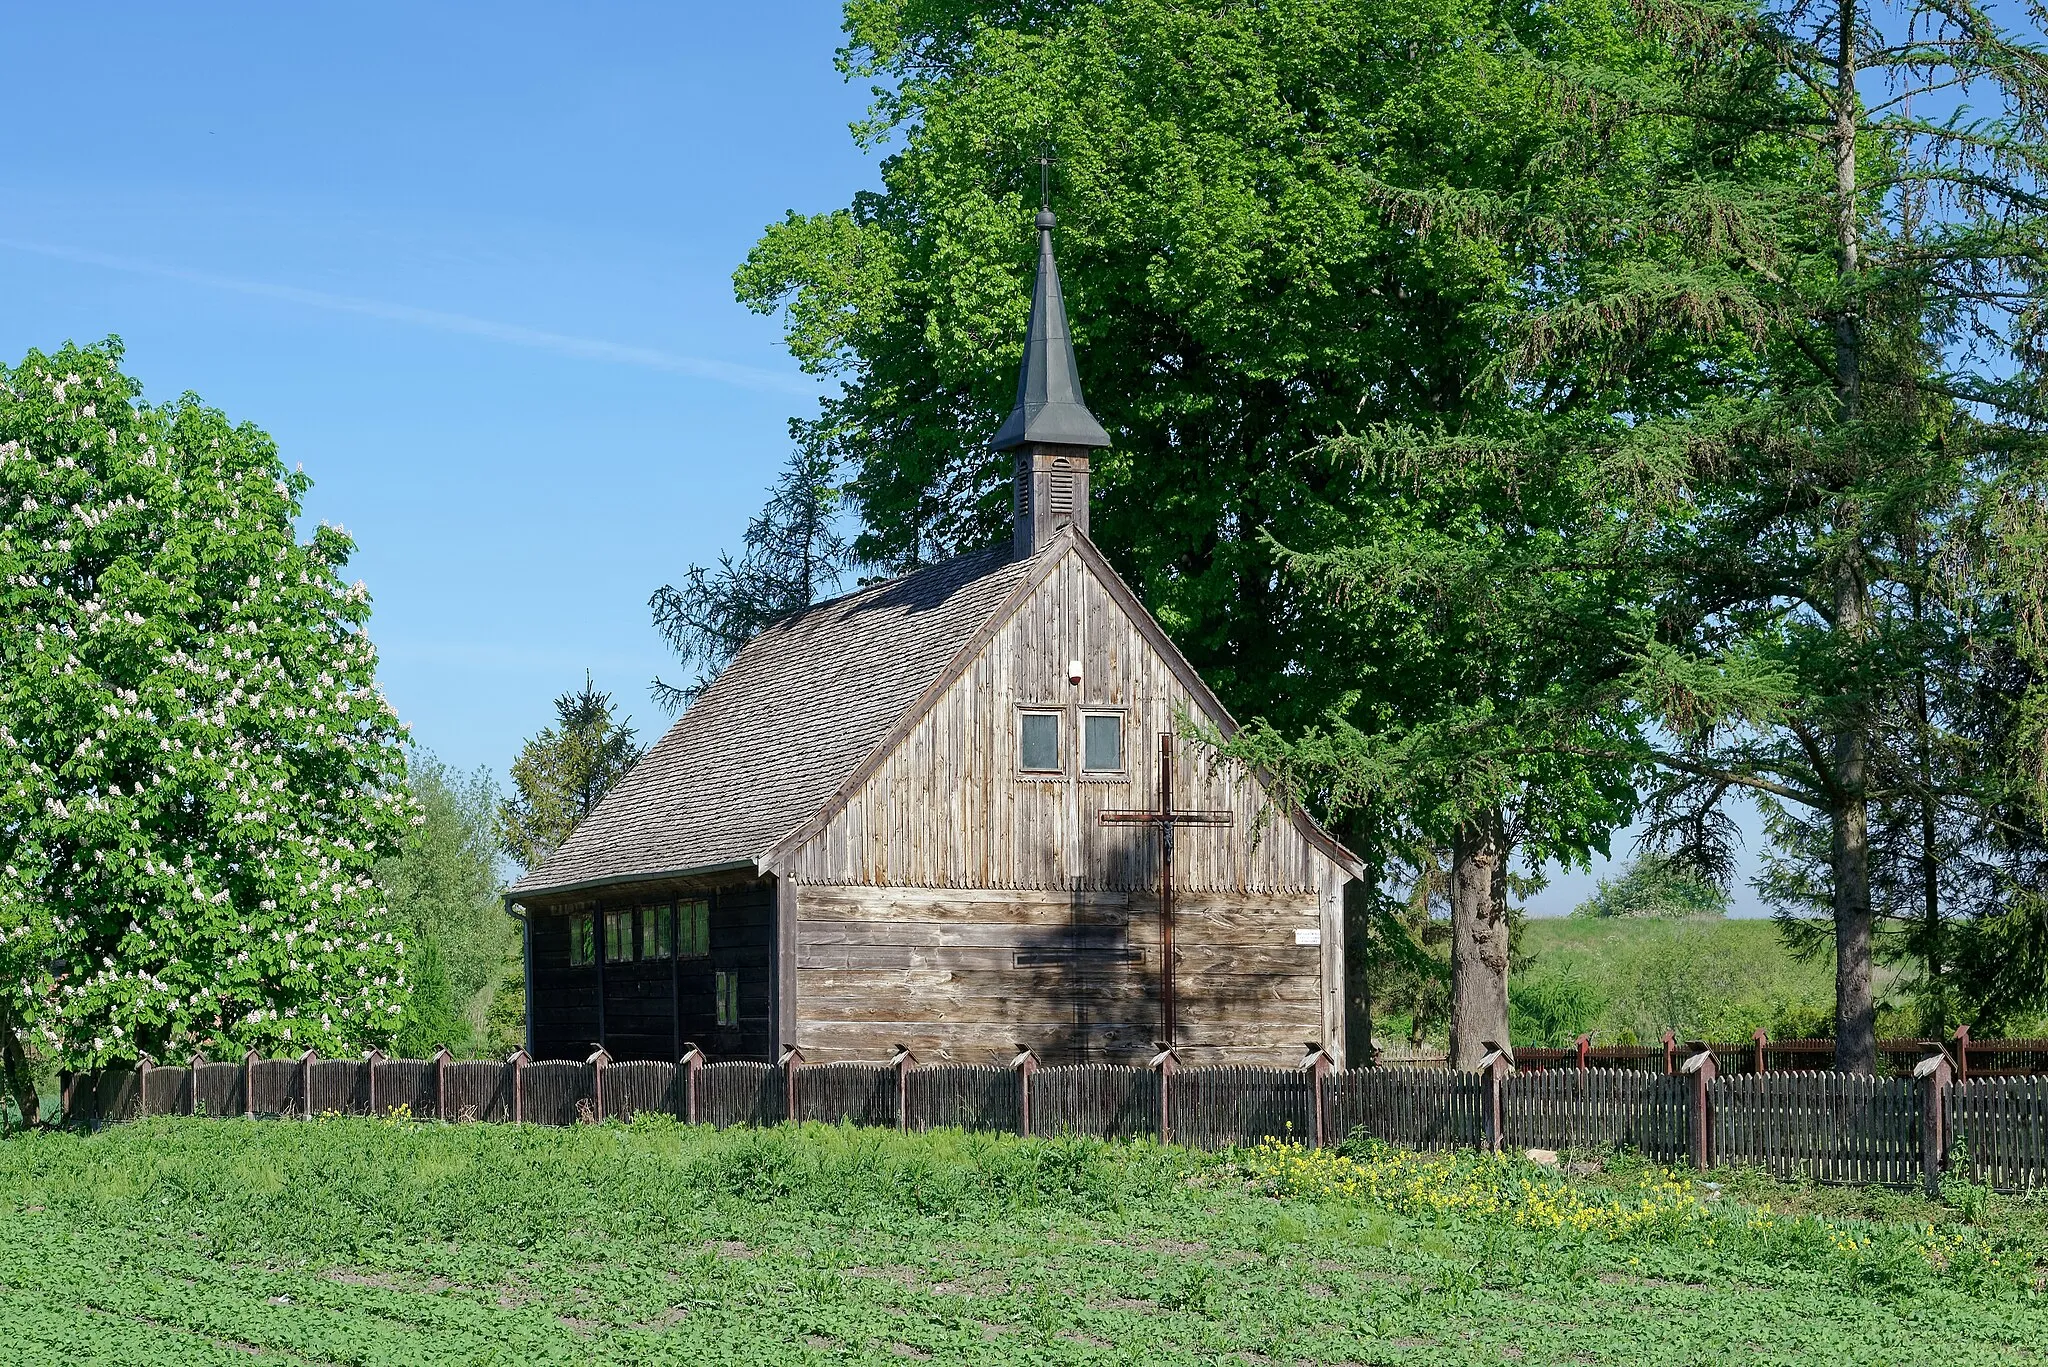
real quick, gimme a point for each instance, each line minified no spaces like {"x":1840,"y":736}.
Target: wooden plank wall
{"x":638,"y":1016}
{"x":968,"y":976}
{"x":948,"y":807}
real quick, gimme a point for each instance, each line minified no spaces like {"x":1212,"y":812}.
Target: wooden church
{"x":950,"y":811}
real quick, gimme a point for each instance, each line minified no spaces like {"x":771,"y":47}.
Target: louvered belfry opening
{"x":1050,"y":429}
{"x":1051,"y":492}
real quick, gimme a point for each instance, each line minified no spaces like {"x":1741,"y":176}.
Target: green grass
{"x":1706,"y":977}
{"x":179,"y":1241}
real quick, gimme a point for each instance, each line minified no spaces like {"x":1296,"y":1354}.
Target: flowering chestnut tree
{"x":197,"y":771}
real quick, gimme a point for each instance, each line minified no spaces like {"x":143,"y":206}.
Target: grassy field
{"x":1707,"y":978}
{"x":176,"y":1242}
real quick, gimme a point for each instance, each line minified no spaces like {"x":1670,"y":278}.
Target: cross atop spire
{"x":1050,"y":410}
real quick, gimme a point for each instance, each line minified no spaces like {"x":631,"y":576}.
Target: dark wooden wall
{"x":641,"y":997}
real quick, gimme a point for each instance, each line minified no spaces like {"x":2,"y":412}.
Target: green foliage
{"x":1552,"y":1010}
{"x":795,"y":552}
{"x":197,"y":772}
{"x":1655,"y":886}
{"x":444,"y":886}
{"x":381,"y":1243}
{"x":562,"y":774}
{"x":1704,"y":979}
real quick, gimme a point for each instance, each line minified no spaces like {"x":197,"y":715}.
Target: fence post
{"x":192,"y":1082}
{"x":1670,"y":1054}
{"x":306,"y":1084}
{"x":904,"y":1061}
{"x":371,"y":1058}
{"x":517,"y":1061}
{"x":1703,"y":1067}
{"x":1583,"y":1045}
{"x":1494,"y":1068}
{"x":598,"y":1062}
{"x":143,"y":1063}
{"x":692,"y":1065}
{"x":1026,"y":1063}
{"x":1316,"y":1063}
{"x":1962,"y":1053}
{"x":249,"y":1085}
{"x":441,"y":1057}
{"x":1166,"y":1065}
{"x":1757,"y":1040}
{"x":1933,"y":1074}
{"x":792,"y":1059}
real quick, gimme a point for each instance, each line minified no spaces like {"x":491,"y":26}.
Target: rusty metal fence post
{"x":371,"y":1058}
{"x":691,"y":1066}
{"x":1026,"y":1063}
{"x":1962,"y":1053}
{"x":143,"y":1063}
{"x":1757,"y":1041}
{"x":249,"y":1085}
{"x":1166,"y":1065}
{"x":1583,"y":1046}
{"x":306,"y":1084}
{"x":1933,"y":1074}
{"x":1702,"y":1068}
{"x":1670,"y":1054}
{"x":192,"y":1082}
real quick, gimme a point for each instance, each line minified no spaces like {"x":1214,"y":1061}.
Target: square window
{"x":728,"y":985}
{"x":657,"y":932}
{"x":582,"y":940}
{"x":1038,"y":743}
{"x":1102,"y":741}
{"x":693,"y":928}
{"x":618,"y":937}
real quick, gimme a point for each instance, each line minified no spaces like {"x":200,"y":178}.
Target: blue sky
{"x":472,"y":267}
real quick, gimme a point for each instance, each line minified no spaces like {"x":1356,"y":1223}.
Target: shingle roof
{"x":782,"y":727}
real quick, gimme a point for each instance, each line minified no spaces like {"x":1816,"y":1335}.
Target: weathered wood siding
{"x":967,"y":975}
{"x":949,"y":807}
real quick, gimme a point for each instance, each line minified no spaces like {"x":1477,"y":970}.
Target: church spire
{"x":1050,"y":429}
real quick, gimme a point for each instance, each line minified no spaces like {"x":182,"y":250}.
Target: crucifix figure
{"x":1165,"y":818}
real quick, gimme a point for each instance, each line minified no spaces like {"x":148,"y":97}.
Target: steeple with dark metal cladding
{"x":1050,"y":429}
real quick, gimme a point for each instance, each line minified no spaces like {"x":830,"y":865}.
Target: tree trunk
{"x":14,"y":1070}
{"x":1849,"y":812}
{"x":1479,"y":941}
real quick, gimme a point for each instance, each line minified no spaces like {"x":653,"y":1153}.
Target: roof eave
{"x":518,"y":891}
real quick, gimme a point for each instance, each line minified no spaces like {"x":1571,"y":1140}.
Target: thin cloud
{"x":565,"y":344}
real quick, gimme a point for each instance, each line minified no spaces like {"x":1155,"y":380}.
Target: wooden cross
{"x":1165,"y":817}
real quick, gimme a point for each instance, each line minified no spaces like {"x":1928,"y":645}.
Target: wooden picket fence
{"x":1825,"y":1126}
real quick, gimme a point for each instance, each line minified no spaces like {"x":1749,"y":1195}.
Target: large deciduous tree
{"x":197,"y":771}
{"x":1262,"y":250}
{"x":444,"y":887}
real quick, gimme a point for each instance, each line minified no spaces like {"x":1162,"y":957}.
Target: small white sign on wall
{"x":1308,"y":937}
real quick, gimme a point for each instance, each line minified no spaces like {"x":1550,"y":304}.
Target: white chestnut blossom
{"x":194,"y":754}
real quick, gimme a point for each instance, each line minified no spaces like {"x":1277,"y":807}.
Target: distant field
{"x":174,"y":1242}
{"x":1711,"y":978}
